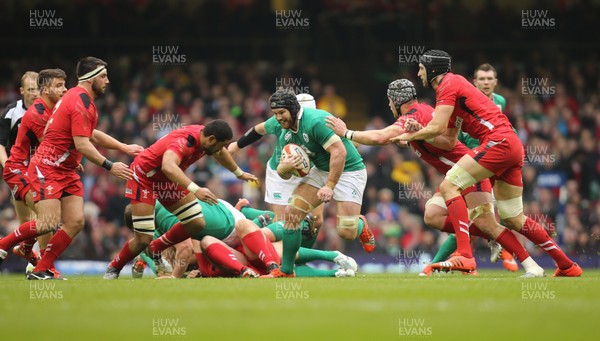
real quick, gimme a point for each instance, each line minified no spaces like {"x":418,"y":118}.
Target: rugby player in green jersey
{"x":338,"y":173}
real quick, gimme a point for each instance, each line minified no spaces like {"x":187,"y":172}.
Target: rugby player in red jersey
{"x":441,"y":152}
{"x":69,"y":135}
{"x":30,"y":134}
{"x":158,"y":174}
{"x":10,"y":120}
{"x":500,"y":156}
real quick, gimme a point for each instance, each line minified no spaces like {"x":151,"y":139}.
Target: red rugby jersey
{"x":474,"y":113}
{"x":185,"y":142}
{"x":74,"y":115}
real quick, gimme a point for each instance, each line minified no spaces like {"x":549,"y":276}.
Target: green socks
{"x":309,"y":255}
{"x":291,"y":244}
{"x":446,"y":250}
{"x":307,"y":271}
{"x":148,"y":261}
{"x":253,"y":213}
{"x":361,"y":226}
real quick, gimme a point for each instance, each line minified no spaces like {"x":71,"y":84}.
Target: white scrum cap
{"x":306,"y":101}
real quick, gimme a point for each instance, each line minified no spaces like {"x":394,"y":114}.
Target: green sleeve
{"x":320,"y":131}
{"x":500,"y":101}
{"x":467,"y":140}
{"x":272,"y":126}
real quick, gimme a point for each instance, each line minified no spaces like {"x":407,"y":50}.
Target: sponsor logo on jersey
{"x":305,"y":136}
{"x":459,"y":121}
{"x":288,"y":136}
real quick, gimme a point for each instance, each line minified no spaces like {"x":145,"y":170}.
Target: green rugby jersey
{"x":313,"y":134}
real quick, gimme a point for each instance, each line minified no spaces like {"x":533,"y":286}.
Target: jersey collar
{"x":298,"y":119}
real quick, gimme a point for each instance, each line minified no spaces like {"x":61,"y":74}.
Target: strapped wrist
{"x":107,"y":164}
{"x":192,"y":187}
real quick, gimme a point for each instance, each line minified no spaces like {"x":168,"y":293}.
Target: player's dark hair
{"x":128,"y":217}
{"x":88,"y":64}
{"x":219,"y":129}
{"x":46,"y":76}
{"x":485,"y":67}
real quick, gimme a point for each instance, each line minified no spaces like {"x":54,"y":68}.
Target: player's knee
{"x":457,"y":179}
{"x":143,"y":239}
{"x":435,"y":211}
{"x":347,"y":226}
{"x":206,"y":242}
{"x":245,"y":226}
{"x":514,"y":223}
{"x":511,"y":212}
{"x":430,"y":217}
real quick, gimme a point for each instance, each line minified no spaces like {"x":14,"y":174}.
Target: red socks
{"x":459,"y":216}
{"x":257,"y":243}
{"x":511,"y":244}
{"x":124,"y":256}
{"x":26,"y":231}
{"x":175,"y":235}
{"x":222,"y":256}
{"x":57,"y":245}
{"x":538,"y":235}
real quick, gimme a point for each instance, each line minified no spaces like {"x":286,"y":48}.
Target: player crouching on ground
{"x":158,"y":174}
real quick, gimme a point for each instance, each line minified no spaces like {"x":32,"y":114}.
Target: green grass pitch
{"x":495,"y":306}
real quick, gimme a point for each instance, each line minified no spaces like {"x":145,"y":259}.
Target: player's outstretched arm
{"x":104,"y":140}
{"x":436,"y":126}
{"x":378,"y":137}
{"x":446,"y":141}
{"x":170,"y":167}
{"x":252,"y":135}
{"x":87,"y":149}
{"x":224,"y":158}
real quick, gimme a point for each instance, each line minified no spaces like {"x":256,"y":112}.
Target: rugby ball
{"x":292,"y":149}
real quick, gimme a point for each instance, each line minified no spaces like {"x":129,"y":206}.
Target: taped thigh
{"x":143,"y":224}
{"x":460,"y":177}
{"x":189,"y":212}
{"x":510,"y":208}
{"x":436,"y":200}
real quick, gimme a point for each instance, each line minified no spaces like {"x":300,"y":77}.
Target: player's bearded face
{"x":423,"y":75}
{"x":284,"y":118}
{"x":100,"y":83}
{"x":213,"y":146}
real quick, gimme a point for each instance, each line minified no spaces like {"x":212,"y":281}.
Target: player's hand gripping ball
{"x":292,"y":149}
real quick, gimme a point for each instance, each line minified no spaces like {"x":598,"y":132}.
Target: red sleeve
{"x":37,"y":125}
{"x":400,"y":122}
{"x":446,"y":93}
{"x":180,"y":147}
{"x":81,"y":120}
